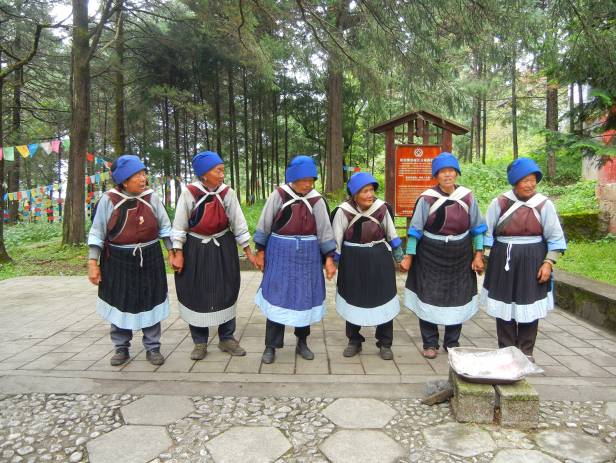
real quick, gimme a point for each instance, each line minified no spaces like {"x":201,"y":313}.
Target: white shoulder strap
{"x":359,"y":214}
{"x":209,"y":193}
{"x":295,"y":197}
{"x":456,"y":196}
{"x":126,"y":197}
{"x":532,"y":203}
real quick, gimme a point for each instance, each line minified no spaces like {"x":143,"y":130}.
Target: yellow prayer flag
{"x":23,"y":150}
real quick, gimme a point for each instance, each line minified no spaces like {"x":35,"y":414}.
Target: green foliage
{"x":591,"y":259}
{"x":27,"y":233}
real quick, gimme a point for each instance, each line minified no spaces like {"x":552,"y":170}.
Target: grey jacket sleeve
{"x":236,"y":218}
{"x":180,"y":220}
{"x":264,"y":227}
{"x":164,"y":224}
{"x":98,"y":231}
{"x":325,"y":233}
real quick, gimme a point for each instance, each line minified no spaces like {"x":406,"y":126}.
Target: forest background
{"x":260,"y":81}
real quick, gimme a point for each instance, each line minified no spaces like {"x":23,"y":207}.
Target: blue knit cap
{"x":125,"y":167}
{"x":444,"y":160}
{"x":360,"y":180}
{"x":522,"y":167}
{"x":205,"y":161}
{"x":301,"y":167}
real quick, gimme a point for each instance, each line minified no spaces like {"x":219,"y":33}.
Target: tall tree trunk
{"x":514,"y":106}
{"x":246,"y":140}
{"x":581,"y":105}
{"x":551,"y":124}
{"x":286,"y":131}
{"x":334,"y":127}
{"x":15,"y":171}
{"x":275,"y":167}
{"x":571,"y":109}
{"x":166,"y":151}
{"x":73,"y":227}
{"x":217,"y":110}
{"x":484,"y":126}
{"x":119,"y":130}
{"x":261,"y":160}
{"x":253,"y":165}
{"x":178,"y":153}
{"x":233,"y":154}
{"x":4,"y":256}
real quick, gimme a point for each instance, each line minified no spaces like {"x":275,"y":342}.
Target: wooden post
{"x":426,"y":133}
{"x":390,"y":162}
{"x":446,"y":143}
{"x":410,"y":132}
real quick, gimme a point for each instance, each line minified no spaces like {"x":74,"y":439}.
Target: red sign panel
{"x":413,"y":175}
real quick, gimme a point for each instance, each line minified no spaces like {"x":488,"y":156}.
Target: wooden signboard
{"x":413,"y":175}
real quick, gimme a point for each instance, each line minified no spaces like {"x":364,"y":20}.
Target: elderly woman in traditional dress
{"x":207,"y":228}
{"x":293,"y":237}
{"x":444,"y":251}
{"x":526,"y":240}
{"x":366,"y":289}
{"x":131,"y":279}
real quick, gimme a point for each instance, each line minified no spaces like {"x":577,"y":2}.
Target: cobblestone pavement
{"x":103,"y":428}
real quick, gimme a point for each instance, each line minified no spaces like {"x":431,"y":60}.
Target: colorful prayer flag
{"x":66,"y":144}
{"x":32,"y":148}
{"x":23,"y":150}
{"x":55,"y":146}
{"x":46,"y":146}
{"x":9,"y":153}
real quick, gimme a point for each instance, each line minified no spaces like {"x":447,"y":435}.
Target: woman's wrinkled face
{"x":303,"y":185}
{"x":365,"y":197}
{"x":213,"y":178}
{"x":446,"y":177}
{"x":526,"y":187}
{"x":136,"y":183}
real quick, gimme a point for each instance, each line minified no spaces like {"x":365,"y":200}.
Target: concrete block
{"x":472,"y":402}
{"x":519,"y":404}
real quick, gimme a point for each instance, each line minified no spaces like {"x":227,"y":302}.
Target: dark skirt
{"x":292,"y":291}
{"x":133,"y":295}
{"x":366,"y":287}
{"x":209,"y":285}
{"x":516,"y":294}
{"x":441,"y":286}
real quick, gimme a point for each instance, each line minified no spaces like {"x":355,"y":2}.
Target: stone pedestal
{"x":519,"y":404}
{"x":472,"y":402}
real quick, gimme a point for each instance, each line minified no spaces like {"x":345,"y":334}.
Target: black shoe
{"x":155,"y":357}
{"x":351,"y":350}
{"x":303,"y":350}
{"x":386,"y":353}
{"x":120,"y":357}
{"x":268,"y":355}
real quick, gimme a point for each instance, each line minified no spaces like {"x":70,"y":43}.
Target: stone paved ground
{"x":60,"y":400}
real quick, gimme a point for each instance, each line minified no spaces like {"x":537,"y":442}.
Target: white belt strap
{"x":368,"y":245}
{"x":126,"y":197}
{"x":206,"y":239}
{"x":295,"y":197}
{"x":532,"y":203}
{"x":359,"y":214}
{"x":207,"y":193}
{"x":456,"y":196}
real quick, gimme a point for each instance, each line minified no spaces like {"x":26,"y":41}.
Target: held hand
{"x":250,"y":256}
{"x":260,"y":260}
{"x":94,"y":272}
{"x":544,"y":273}
{"x":478,"y":265}
{"x":177,"y":261}
{"x":330,"y":268}
{"x":405,"y":263}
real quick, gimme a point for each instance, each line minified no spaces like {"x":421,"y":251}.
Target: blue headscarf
{"x":125,"y":167}
{"x":444,"y":160}
{"x":205,"y":161}
{"x":360,"y":180}
{"x":301,"y":167}
{"x":522,"y":167}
